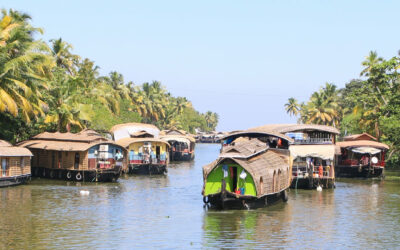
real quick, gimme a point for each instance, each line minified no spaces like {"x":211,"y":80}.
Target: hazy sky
{"x":241,"y":59}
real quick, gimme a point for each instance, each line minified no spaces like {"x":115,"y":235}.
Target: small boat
{"x":249,"y":173}
{"x":361,"y":156}
{"x":15,"y":164}
{"x":146,"y":155}
{"x":85,"y":156}
{"x":182,"y":147}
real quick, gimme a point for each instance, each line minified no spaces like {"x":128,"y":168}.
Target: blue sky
{"x":241,"y":59}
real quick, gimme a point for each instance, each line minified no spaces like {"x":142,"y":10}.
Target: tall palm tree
{"x":292,"y":107}
{"x":61,"y":51}
{"x":370,"y":61}
{"x":24,"y":67}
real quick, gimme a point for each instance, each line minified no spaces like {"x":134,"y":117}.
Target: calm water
{"x":167,"y":212}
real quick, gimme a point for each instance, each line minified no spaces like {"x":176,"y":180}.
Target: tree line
{"x":45,"y":87}
{"x":369,"y":104}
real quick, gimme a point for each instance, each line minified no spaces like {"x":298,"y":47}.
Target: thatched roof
{"x":5,"y":143}
{"x":83,"y":136}
{"x":127,"y":129}
{"x":133,"y":124}
{"x":363,"y":136}
{"x":362,"y":143}
{"x":8,"y":150}
{"x":257,"y":133}
{"x":285,"y":128}
{"x":173,"y":132}
{"x":141,"y":134}
{"x":256,"y":158}
{"x":81,"y":141}
{"x":183,"y":138}
{"x":125,"y":142}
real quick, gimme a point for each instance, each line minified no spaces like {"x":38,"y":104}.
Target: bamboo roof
{"x":359,"y":136}
{"x":8,"y":150}
{"x":178,"y":138}
{"x":81,"y":141}
{"x":173,"y":132}
{"x":83,"y":136}
{"x":362,"y":143}
{"x":259,"y":132}
{"x":134,"y":124}
{"x":125,"y":142}
{"x":285,"y":128}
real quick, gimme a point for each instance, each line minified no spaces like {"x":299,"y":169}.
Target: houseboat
{"x":313,"y":152}
{"x":361,"y":155}
{"x":182,"y":147}
{"x":146,"y":155}
{"x":251,"y":171}
{"x":84,"y":156}
{"x":15,"y":164}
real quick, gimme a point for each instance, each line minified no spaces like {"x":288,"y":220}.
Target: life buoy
{"x":206,"y":200}
{"x":51,"y":174}
{"x":78,"y":176}
{"x":69,"y":175}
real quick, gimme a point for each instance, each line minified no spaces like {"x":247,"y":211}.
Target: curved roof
{"x":285,"y":128}
{"x":362,"y":143}
{"x":125,"y":142}
{"x":62,"y":145}
{"x":7,"y":149}
{"x":133,"y":124}
{"x":359,"y":136}
{"x":177,"y":138}
{"x":5,"y":143}
{"x":86,"y":135}
{"x":257,"y":133}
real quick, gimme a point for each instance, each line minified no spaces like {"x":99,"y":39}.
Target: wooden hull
{"x":231,"y":201}
{"x":147,"y":169}
{"x":181,"y":156}
{"x":14,"y":180}
{"x":312,"y":183}
{"x":365,"y":171}
{"x":101,"y":175}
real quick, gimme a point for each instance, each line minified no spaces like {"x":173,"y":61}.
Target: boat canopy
{"x":366,"y":150}
{"x":255,"y":134}
{"x":325,"y":152}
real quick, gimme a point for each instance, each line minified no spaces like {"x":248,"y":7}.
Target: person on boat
{"x":320,"y":171}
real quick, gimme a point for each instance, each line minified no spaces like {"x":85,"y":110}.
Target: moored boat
{"x":361,"y":156}
{"x":313,"y":152}
{"x":84,"y":156}
{"x":146,"y":155}
{"x":249,"y":172}
{"x":15,"y":164}
{"x":182,"y":147}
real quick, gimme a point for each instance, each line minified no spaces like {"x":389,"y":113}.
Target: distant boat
{"x":15,"y":164}
{"x":361,"y":155}
{"x":249,"y":172}
{"x":182,"y":147}
{"x":146,"y":155}
{"x":84,"y":156}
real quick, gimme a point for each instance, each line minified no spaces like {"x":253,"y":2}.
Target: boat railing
{"x":313,"y":141}
{"x":301,"y":171}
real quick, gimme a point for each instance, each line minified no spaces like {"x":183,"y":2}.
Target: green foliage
{"x":371,"y":104}
{"x":61,"y":92}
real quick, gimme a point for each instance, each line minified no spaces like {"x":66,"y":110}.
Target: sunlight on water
{"x":167,"y":212}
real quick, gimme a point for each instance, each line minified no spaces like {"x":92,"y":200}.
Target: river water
{"x":167,"y":212}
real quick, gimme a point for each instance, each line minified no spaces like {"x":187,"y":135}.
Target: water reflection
{"x":167,"y":212}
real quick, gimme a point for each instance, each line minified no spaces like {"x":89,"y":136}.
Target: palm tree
{"x":24,"y":67}
{"x":370,"y":61}
{"x":61,"y":51}
{"x":292,"y":107}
